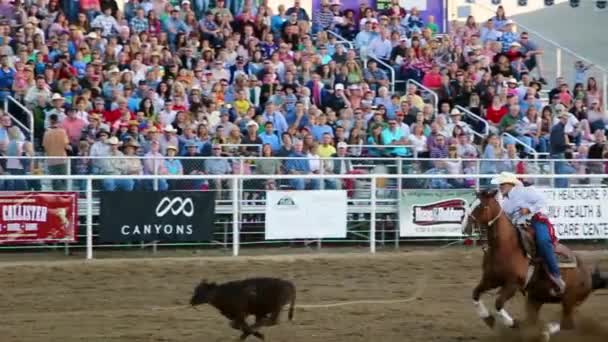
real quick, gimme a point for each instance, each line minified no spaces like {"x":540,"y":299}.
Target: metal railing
{"x":429,"y":91}
{"x":476,"y":118}
{"x":372,"y":205}
{"x":348,"y":44}
{"x":389,"y":69}
{"x":26,"y":111}
{"x":527,"y":148}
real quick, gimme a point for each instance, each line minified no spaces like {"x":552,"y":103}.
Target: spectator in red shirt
{"x":432,"y":79}
{"x":495,"y":111}
{"x":64,"y":69}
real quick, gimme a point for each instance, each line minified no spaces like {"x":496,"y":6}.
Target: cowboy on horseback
{"x":525,"y":205}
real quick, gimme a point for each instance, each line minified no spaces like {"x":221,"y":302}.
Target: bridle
{"x":486,"y":207}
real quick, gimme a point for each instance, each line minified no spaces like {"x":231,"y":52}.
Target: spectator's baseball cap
{"x":342,"y":144}
{"x":516,"y":44}
{"x":152,"y":129}
{"x":101,"y":132}
{"x":560,"y":108}
{"x":339,"y":86}
{"x":172,"y":147}
{"x":509,"y":22}
{"x":134,"y":123}
{"x":191,"y":144}
{"x":512,"y":80}
{"x":253,"y":123}
{"x":563,"y":114}
{"x":57,"y":96}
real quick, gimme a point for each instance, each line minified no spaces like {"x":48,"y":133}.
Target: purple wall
{"x":433,"y":7}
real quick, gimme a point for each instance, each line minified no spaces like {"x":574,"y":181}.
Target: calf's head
{"x":202,"y":293}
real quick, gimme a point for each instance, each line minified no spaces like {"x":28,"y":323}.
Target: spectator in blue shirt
{"x":275,"y":117}
{"x":270,"y":138}
{"x":7,"y":77}
{"x":300,"y":166}
{"x":321,"y":127}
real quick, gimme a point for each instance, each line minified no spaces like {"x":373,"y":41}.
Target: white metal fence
{"x":372,"y":210}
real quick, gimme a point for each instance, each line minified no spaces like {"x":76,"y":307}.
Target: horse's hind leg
{"x":483,"y":286}
{"x":567,"y":322}
{"x":532,"y":310}
{"x":504,"y":294}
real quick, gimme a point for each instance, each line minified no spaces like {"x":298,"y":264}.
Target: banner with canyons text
{"x":433,"y":213}
{"x":38,"y":217}
{"x":163,"y":216}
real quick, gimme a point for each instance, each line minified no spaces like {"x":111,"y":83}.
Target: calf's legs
{"x":241,"y":324}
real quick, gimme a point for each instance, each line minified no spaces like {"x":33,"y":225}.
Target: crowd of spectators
{"x":161,"y":80}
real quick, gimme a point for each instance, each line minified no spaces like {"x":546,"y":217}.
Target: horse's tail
{"x":599,"y":280}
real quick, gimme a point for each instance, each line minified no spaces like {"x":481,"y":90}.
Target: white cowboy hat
{"x":170,"y":129}
{"x":506,"y":178}
{"x":113,"y":141}
{"x":57,"y":96}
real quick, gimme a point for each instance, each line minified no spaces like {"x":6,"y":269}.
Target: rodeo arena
{"x":303,"y":170}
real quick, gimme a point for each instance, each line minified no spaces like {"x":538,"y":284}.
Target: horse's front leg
{"x":504,"y":295}
{"x":483,"y":286}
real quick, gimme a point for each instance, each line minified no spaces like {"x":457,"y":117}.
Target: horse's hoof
{"x":489,"y":321}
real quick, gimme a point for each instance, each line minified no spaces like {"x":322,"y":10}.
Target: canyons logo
{"x":442,"y":212}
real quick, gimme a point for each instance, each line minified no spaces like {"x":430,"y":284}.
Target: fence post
{"x":235,"y":216}
{"x":89,"y":190}
{"x":558,"y":66}
{"x":372,"y":218}
{"x":605,"y":90}
{"x":69,"y":173}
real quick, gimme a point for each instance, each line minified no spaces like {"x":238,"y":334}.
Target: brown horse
{"x":507,"y":266}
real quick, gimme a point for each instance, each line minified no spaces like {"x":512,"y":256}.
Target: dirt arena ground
{"x":144,"y":299}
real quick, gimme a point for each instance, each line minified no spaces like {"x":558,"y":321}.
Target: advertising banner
{"x":307,"y":214}
{"x":578,"y":213}
{"x":164,"y":216}
{"x":433,"y":213}
{"x":38,"y":217}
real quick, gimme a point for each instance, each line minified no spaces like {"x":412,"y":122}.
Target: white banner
{"x":578,"y":213}
{"x":307,"y":214}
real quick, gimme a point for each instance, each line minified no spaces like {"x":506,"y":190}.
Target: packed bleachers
{"x":135,"y":90}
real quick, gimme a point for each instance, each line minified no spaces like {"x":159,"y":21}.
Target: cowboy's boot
{"x":559,"y":283}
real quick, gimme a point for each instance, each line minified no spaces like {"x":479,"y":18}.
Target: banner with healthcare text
{"x":433,"y":213}
{"x":306,"y":214}
{"x":38,"y":217}
{"x":578,"y":213}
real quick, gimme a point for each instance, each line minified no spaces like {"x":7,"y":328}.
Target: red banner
{"x":27,"y":217}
